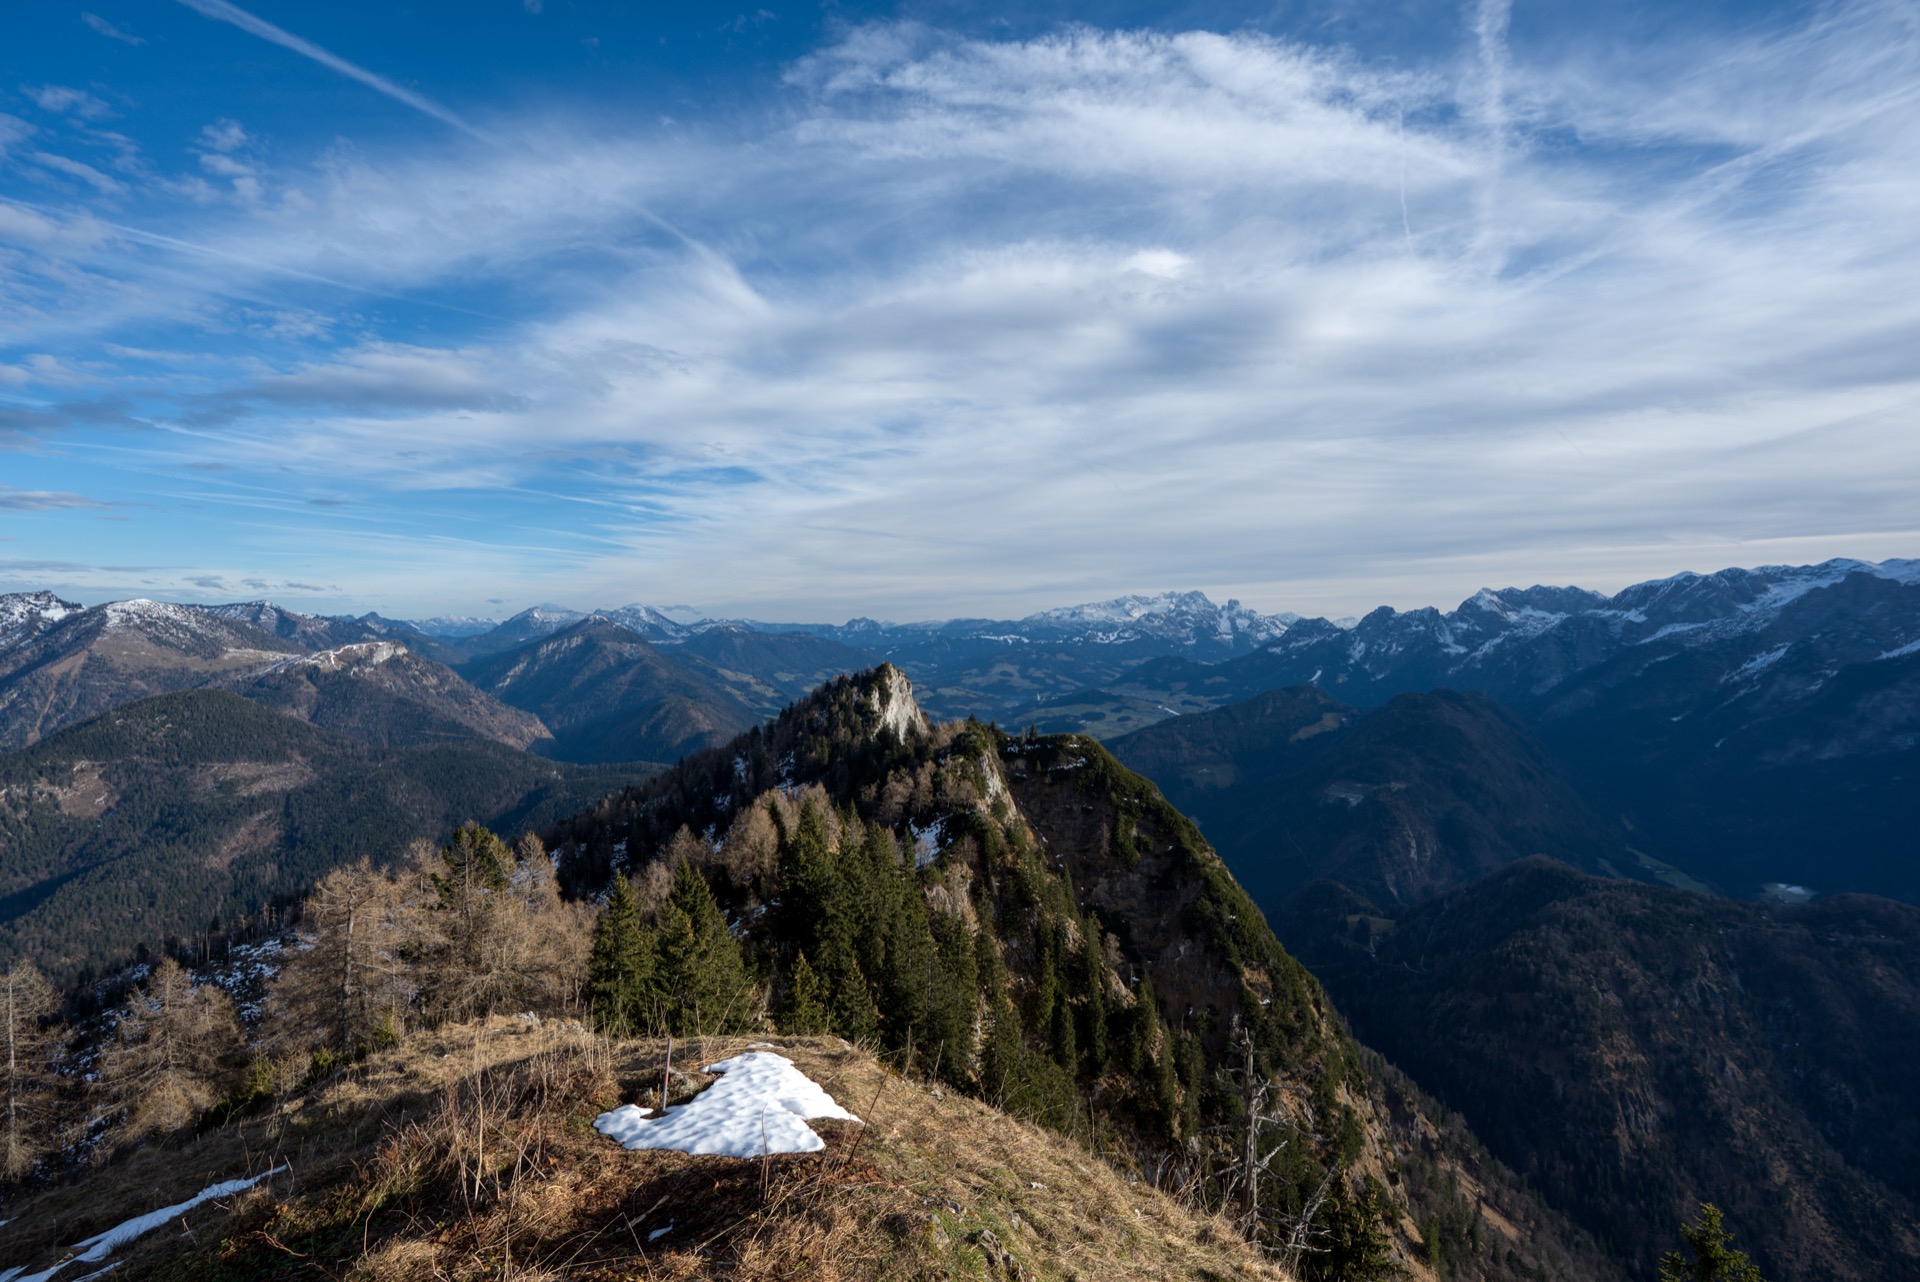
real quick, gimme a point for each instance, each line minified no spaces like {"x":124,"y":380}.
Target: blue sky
{"x":919,"y":310}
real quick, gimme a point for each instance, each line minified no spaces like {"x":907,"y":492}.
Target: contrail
{"x":1490,"y":22}
{"x":1490,"y":31}
{"x":1406,"y":222}
{"x":222,"y":11}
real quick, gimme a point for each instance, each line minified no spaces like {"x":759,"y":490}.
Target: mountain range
{"x":1753,"y":729}
{"x":1511,"y":840}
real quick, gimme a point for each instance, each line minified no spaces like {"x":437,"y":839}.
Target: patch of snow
{"x":101,"y":1245}
{"x":246,"y":972}
{"x":760,"y":1105}
{"x":927,"y":841}
{"x":1911,"y":647}
{"x":121,"y":614}
{"x":1672,"y":629}
{"x":25,"y":615}
{"x":657,"y":1234}
{"x":1757,"y":664}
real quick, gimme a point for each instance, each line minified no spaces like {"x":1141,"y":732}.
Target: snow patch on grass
{"x":101,"y":1245}
{"x":760,"y":1105}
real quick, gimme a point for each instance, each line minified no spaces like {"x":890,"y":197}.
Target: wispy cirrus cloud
{"x":15,"y":500}
{"x":67,"y":100}
{"x":66,"y":165}
{"x":110,"y":31}
{"x":1148,"y":309}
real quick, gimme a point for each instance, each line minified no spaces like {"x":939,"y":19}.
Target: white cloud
{"x":66,"y":100}
{"x":110,"y":31}
{"x":223,"y":136}
{"x":86,"y":173}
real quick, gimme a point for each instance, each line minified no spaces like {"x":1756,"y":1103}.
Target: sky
{"x":923,"y":310}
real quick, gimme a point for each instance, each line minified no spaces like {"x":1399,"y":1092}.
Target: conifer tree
{"x":701,"y":979}
{"x":499,"y":937}
{"x":1714,"y":1257}
{"x":901,"y":973}
{"x":27,"y":1002}
{"x":620,"y":969}
{"x":831,"y":918}
{"x":953,"y":1005}
{"x":1094,"y":985}
{"x":806,"y":1008}
{"x":475,"y":859}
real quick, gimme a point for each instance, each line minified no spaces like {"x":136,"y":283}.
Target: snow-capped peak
{"x":25,"y":615}
{"x":140,"y":611}
{"x":1188,"y":616}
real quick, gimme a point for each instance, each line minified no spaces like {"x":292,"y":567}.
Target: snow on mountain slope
{"x":25,"y":615}
{"x":1182,"y":616}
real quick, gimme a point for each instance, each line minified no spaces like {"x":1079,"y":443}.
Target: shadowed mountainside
{"x":148,"y":823}
{"x":608,"y":694}
{"x":1633,"y":1049}
{"x":1425,"y":794}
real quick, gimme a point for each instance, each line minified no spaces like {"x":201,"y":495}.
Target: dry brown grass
{"x":469,"y":1154}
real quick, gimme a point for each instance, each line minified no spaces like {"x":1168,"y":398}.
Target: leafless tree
{"x":29,"y":1003}
{"x":179,"y":1049}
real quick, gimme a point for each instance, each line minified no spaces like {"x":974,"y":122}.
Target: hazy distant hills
{"x":153,"y":820}
{"x":963,"y":667}
{"x":1627,"y":1047}
{"x":768,"y":670}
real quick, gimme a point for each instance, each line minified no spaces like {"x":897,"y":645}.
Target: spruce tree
{"x":829,"y":909}
{"x":806,"y":1011}
{"x":1714,"y":1257}
{"x":953,"y":1004}
{"x":620,"y":967}
{"x":1094,"y":985}
{"x":902,"y":973}
{"x":701,"y":980}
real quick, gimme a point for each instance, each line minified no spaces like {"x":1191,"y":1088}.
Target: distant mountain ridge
{"x":608,"y":694}
{"x":1522,"y":644}
{"x":383,"y":694}
{"x":1766,"y":643}
{"x":25,"y":615}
